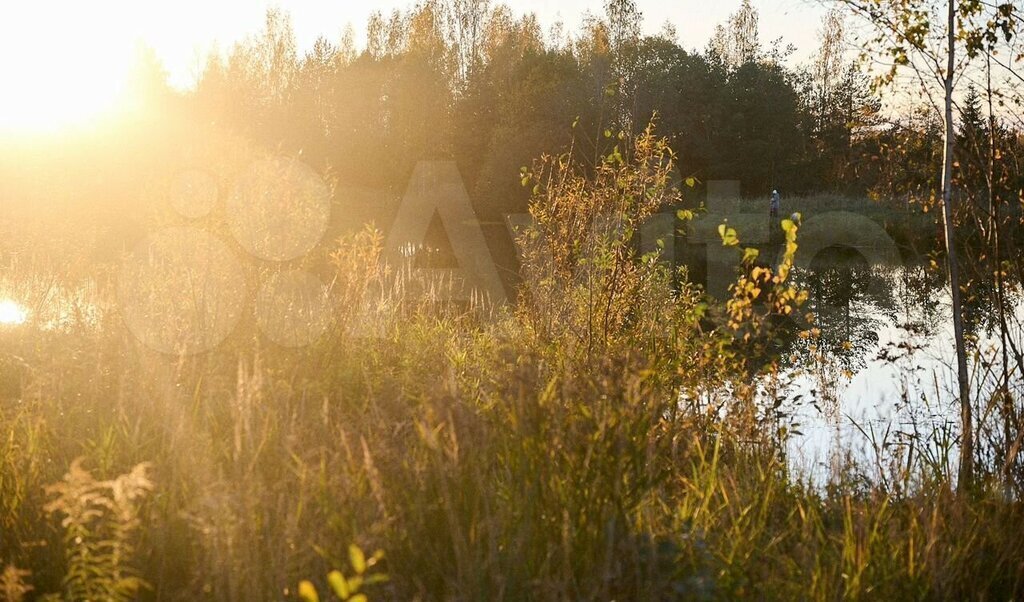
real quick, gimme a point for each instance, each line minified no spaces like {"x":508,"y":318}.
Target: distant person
{"x":773,"y":207}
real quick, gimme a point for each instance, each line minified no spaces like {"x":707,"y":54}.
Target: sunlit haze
{"x":323,"y":300}
{"x":92,"y":45}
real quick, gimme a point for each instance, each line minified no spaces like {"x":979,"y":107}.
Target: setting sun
{"x":60,"y":66}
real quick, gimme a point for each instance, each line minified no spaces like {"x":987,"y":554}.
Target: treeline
{"x":476,"y":83}
{"x":465,"y":80}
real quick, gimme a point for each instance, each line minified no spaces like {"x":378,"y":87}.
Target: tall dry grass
{"x":611,"y":436}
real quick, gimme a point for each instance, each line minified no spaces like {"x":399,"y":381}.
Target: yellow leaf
{"x":307,"y":592}
{"x":728,"y":236}
{"x":357,"y":558}
{"x":339,"y":584}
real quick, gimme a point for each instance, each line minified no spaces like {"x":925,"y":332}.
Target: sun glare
{"x":12,"y":314}
{"x":60,"y":65}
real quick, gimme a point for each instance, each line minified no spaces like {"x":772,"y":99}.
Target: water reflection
{"x":54,"y":308}
{"x":879,"y":366}
{"x":848,"y":298}
{"x":879,"y":376}
{"x":12,"y":313}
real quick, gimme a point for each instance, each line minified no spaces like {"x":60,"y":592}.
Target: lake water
{"x":895,"y":382}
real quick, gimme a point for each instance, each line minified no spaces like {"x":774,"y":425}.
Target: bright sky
{"x":92,"y":43}
{"x":180,"y":31}
{"x":795,"y":20}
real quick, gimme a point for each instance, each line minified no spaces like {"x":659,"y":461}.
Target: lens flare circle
{"x":182,"y":291}
{"x":279,"y":209}
{"x":194,"y":193}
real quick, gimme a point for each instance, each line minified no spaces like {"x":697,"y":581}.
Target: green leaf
{"x":691,"y":182}
{"x":750,"y":254}
{"x":357,"y":558}
{"x":607,"y":133}
{"x":338,"y":583}
{"x":359,"y":598}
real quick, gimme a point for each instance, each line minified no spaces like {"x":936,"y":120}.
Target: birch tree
{"x":934,"y":41}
